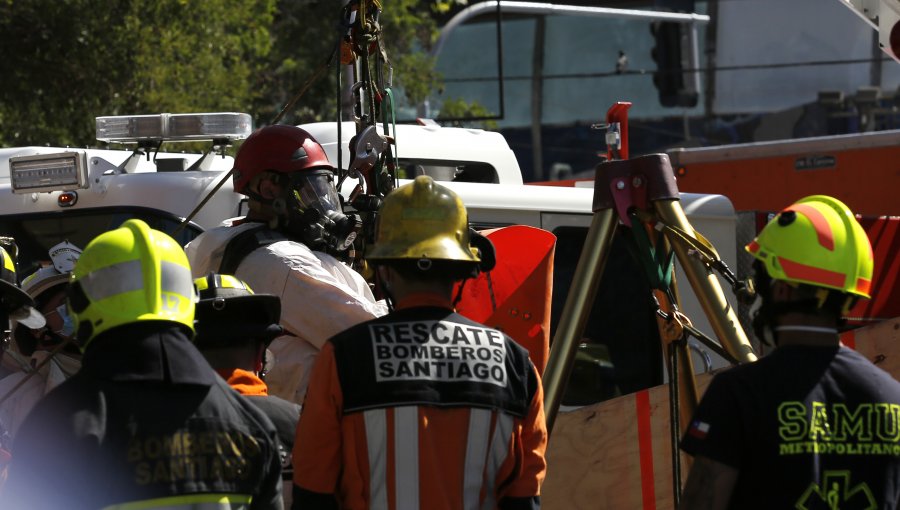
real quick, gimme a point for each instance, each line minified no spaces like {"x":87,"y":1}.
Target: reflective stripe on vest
{"x":189,"y":502}
{"x":486,"y":451}
{"x":499,"y":450}
{"x":376,"y":442}
{"x":128,"y":277}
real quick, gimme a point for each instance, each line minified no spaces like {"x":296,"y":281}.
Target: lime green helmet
{"x":127,"y":275}
{"x":817,"y":241}
{"x":423,"y":220}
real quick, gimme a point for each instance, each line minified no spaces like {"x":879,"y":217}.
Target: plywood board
{"x":617,"y":455}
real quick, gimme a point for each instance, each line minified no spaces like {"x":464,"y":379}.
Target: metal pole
{"x":718,"y":310}
{"x":558,"y":9}
{"x":537,"y":101}
{"x":576,"y":310}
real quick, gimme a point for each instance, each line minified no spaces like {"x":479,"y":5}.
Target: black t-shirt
{"x":807,"y":427}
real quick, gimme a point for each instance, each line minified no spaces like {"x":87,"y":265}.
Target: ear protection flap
{"x":486,"y":250}
{"x":78,"y":300}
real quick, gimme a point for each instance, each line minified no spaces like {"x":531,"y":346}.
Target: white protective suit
{"x":320,"y":297}
{"x":17,"y":406}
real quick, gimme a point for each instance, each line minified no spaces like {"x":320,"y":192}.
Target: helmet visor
{"x":314,"y":190}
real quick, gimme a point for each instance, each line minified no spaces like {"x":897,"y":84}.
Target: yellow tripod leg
{"x":576,"y":310}
{"x":719,"y":312}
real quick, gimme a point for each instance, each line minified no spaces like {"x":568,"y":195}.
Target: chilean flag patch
{"x":699,"y":429}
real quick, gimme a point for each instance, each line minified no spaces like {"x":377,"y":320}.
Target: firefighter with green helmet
{"x":14,"y":303}
{"x":421,"y":408}
{"x":813,"y":424}
{"x":146,"y":423}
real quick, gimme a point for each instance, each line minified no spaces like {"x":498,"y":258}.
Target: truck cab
{"x":53,"y":194}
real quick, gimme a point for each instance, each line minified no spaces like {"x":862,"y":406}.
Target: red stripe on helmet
{"x":798,"y":271}
{"x":863,"y":286}
{"x":753,"y":247}
{"x":819,"y":222}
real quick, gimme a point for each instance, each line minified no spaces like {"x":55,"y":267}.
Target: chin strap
{"x":807,"y":329}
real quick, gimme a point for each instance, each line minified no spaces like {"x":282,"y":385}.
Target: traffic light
{"x":670,"y":52}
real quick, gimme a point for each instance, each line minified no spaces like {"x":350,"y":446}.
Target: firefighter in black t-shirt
{"x":814,"y":424}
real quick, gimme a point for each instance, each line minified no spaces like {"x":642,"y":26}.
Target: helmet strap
{"x":459,"y":293}
{"x":806,"y":329}
{"x":382,"y":285}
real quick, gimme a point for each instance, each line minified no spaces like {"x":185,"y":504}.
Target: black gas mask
{"x":314,"y":214}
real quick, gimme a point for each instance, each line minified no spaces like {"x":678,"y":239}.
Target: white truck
{"x":56,"y":193}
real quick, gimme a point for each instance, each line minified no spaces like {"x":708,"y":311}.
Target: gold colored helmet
{"x":423,"y":221}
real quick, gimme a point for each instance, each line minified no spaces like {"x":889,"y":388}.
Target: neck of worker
{"x":408,"y":292}
{"x":811,"y":330}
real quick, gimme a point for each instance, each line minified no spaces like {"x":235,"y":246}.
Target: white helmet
{"x":63,"y":257}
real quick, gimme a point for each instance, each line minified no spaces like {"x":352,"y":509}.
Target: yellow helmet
{"x":15,"y":302}
{"x":230,"y":313}
{"x":817,"y":241}
{"x":130,"y":274}
{"x":423,"y":220}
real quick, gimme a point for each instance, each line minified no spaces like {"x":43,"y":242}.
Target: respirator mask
{"x":313,"y":208}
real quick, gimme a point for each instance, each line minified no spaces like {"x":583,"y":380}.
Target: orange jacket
{"x":452,"y":455}
{"x":244,"y":382}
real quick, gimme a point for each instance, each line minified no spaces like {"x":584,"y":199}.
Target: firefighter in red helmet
{"x":290,"y":244}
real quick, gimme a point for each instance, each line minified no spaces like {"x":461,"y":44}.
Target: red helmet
{"x":279,"y":148}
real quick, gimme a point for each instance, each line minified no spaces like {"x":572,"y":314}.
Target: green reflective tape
{"x":189,"y":502}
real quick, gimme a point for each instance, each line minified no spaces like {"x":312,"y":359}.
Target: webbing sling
{"x":656,"y":262}
{"x":244,"y":244}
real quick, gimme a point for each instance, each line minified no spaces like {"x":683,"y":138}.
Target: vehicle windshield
{"x":36,"y":233}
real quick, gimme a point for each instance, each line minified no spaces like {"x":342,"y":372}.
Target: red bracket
{"x":617,"y":131}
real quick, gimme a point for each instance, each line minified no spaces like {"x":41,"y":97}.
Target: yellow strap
{"x":189,"y":502}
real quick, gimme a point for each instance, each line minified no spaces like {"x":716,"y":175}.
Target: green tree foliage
{"x":305,"y":35}
{"x":68,"y":61}
{"x":456,"y":108}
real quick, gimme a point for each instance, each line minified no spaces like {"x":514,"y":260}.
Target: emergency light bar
{"x":174,"y":127}
{"x":62,"y":171}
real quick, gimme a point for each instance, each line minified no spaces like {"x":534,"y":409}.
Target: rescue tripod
{"x":641,"y":193}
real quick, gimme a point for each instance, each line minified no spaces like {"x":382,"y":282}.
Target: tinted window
{"x":620,"y":350}
{"x":36,"y":233}
{"x":456,"y":171}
